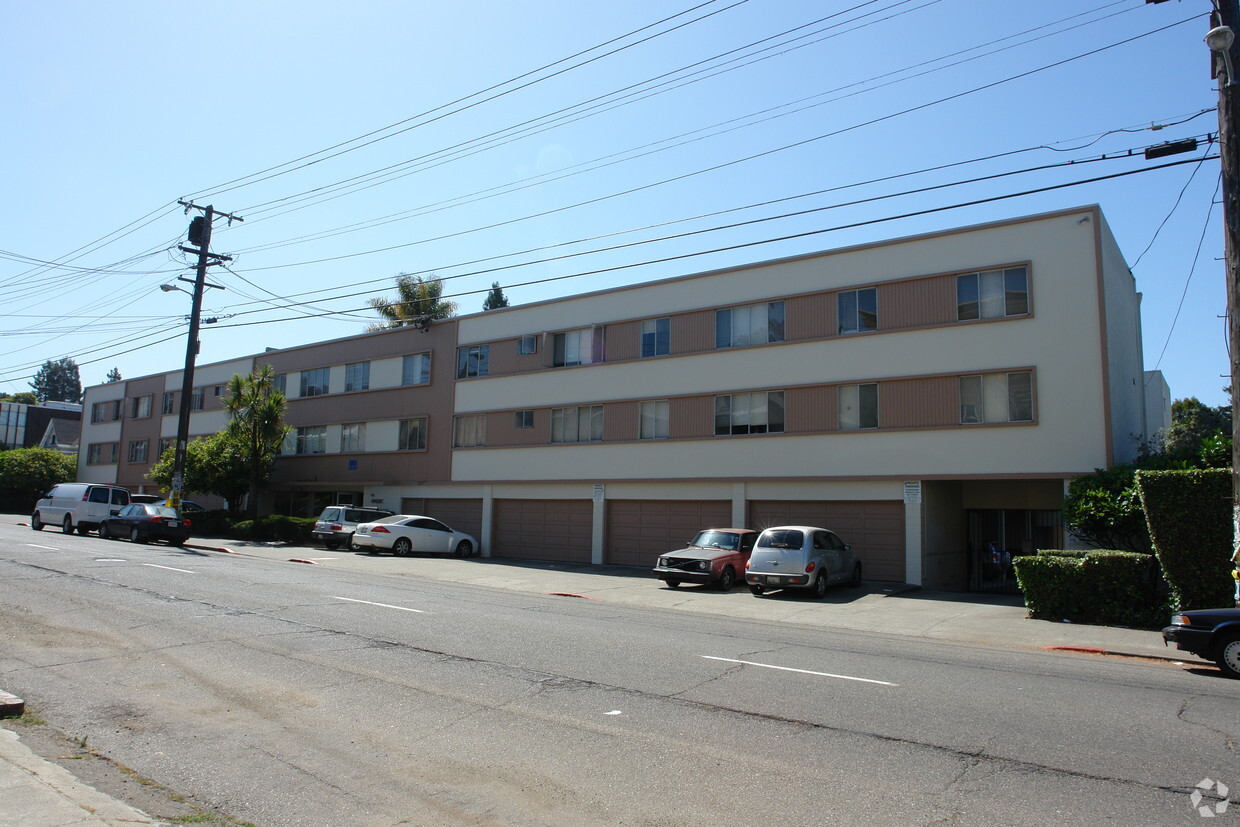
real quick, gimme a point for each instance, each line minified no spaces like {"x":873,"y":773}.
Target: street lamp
{"x":1219,"y":40}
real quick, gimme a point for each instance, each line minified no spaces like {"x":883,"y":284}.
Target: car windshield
{"x":783,"y":538}
{"x":716,"y":539}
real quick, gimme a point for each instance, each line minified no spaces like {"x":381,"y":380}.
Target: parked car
{"x":715,"y":555}
{"x":801,"y":557}
{"x":1213,"y":634}
{"x":160,"y":499}
{"x":406,"y":533}
{"x":338,"y":523}
{"x":144,"y":522}
{"x":78,"y":505}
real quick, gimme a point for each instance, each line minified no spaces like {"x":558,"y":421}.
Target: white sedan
{"x":404,"y":534}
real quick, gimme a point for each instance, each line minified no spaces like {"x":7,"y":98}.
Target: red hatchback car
{"x":716,"y":555}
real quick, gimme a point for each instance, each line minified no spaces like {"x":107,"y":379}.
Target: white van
{"x":80,"y":505}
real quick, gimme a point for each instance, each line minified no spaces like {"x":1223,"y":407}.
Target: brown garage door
{"x":874,"y":529}
{"x":638,"y":531}
{"x":544,"y":529}
{"x":463,"y":515}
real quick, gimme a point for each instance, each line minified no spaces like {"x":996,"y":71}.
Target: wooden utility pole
{"x":200,"y":234}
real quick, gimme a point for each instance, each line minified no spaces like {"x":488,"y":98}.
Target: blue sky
{"x":488,"y":141}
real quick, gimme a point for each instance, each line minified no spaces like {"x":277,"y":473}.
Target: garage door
{"x":874,"y":529}
{"x":638,"y":531}
{"x":463,"y":515}
{"x":544,"y":529}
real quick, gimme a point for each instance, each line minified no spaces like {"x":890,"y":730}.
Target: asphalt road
{"x":287,"y":694}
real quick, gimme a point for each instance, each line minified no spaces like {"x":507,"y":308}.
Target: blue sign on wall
{"x":352,"y":465}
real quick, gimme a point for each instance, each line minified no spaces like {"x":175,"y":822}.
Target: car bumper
{"x":1188,"y":639}
{"x":682,"y":576}
{"x":776,"y":581}
{"x":367,"y":541}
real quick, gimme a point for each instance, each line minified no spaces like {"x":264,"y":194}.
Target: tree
{"x":26,"y":474}
{"x":58,"y":381}
{"x":19,"y":398}
{"x":213,"y":465}
{"x":114,"y":375}
{"x":496,"y":298}
{"x":419,"y":300}
{"x":1193,"y":426}
{"x":256,"y":423}
{"x":1104,"y":509}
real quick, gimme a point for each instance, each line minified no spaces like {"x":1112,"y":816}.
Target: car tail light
{"x":335,"y":527}
{"x":747,"y":562}
{"x":810,"y":567}
{"x":379,"y":530}
{"x":189,"y":523}
{"x":157,"y":519}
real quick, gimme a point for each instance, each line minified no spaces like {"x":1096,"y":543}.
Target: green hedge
{"x":1190,"y":520}
{"x":275,"y":527}
{"x":1105,"y":587}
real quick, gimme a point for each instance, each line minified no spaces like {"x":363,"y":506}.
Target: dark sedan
{"x":144,"y":522}
{"x":1213,"y":634}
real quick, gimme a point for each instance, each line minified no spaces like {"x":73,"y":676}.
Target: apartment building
{"x":928,"y":398}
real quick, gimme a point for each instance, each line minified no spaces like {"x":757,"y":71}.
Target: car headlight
{"x":703,"y":565}
{"x":663,"y":562}
{"x":1180,"y":620}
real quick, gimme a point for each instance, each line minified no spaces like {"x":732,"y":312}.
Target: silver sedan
{"x":404,"y":534}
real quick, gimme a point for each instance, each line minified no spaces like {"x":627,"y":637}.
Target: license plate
{"x":173,"y":524}
{"x":775,"y":580}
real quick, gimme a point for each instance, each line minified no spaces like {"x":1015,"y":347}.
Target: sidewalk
{"x":37,"y":793}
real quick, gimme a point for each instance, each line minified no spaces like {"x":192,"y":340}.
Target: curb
{"x":1089,"y":650}
{"x":11,"y":706}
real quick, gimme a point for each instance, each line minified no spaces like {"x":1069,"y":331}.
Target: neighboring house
{"x":928,"y":398}
{"x":1157,"y":405}
{"x":23,"y":426}
{"x":62,"y":435}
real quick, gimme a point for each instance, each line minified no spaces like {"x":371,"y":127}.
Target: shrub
{"x":1107,"y":587}
{"x":26,"y":474}
{"x":213,"y":523}
{"x":275,"y":527}
{"x":1190,"y":522}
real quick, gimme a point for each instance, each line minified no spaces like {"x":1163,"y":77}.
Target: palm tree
{"x":419,"y":302}
{"x":256,"y":422}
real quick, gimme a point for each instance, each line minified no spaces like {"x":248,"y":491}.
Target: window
{"x":525,"y":419}
{"x":578,"y":347}
{"x":749,"y":413}
{"x":858,"y":310}
{"x":169,"y":405}
{"x":280,"y":383}
{"x":992,"y":294}
{"x":315,"y":382}
{"x":654,"y":419}
{"x":217,"y":390}
{"x":416,"y":369}
{"x":137,"y":450}
{"x":312,"y":440}
{"x":353,"y":438}
{"x":996,"y":397}
{"x":469,"y":431}
{"x":195,"y":399}
{"x":473,"y":361}
{"x":528,"y":345}
{"x":102,"y":453}
{"x":140,"y":407}
{"x":413,"y":434}
{"x":166,"y":442}
{"x":582,"y":424}
{"x":858,"y":406}
{"x":105,"y":411}
{"x":656,"y":337}
{"x":754,"y":324}
{"x":357,"y":376}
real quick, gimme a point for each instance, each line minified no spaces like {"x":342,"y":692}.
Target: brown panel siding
{"x":691,"y":416}
{"x":693,"y":332}
{"x":621,"y":421}
{"x":441,"y":339}
{"x":368,"y":406}
{"x":810,"y":317}
{"x":133,"y":474}
{"x":874,"y":528}
{"x":810,"y":410}
{"x":919,"y":403}
{"x":462,"y":514}
{"x":624,"y":341}
{"x":917,"y":303}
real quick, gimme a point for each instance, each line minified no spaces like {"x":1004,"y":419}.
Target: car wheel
{"x":67,"y":526}
{"x":135,"y":536}
{"x":103,"y":531}
{"x":464,"y":549}
{"x":331,"y":545}
{"x":820,"y":586}
{"x":672,"y":584}
{"x":402,"y":546}
{"x":1229,"y":655}
{"x":83,"y":529}
{"x":178,"y":542}
{"x":36,"y":522}
{"x":348,"y":545}
{"x":756,"y":589}
{"x":855,"y":582}
{"x":727,"y":579}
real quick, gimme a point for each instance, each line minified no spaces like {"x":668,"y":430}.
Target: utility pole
{"x":200,"y":234}
{"x":1226,"y":55}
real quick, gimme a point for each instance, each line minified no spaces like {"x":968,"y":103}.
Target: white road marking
{"x":802,"y":671}
{"x":109,"y":560}
{"x":48,"y":548}
{"x":169,"y":568}
{"x":384,"y":605}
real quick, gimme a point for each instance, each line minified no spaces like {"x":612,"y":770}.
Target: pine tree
{"x":496,"y":298}
{"x":114,"y":375}
{"x":58,"y":381}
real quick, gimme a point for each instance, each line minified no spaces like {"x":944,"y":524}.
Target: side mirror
{"x":114,"y":511}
